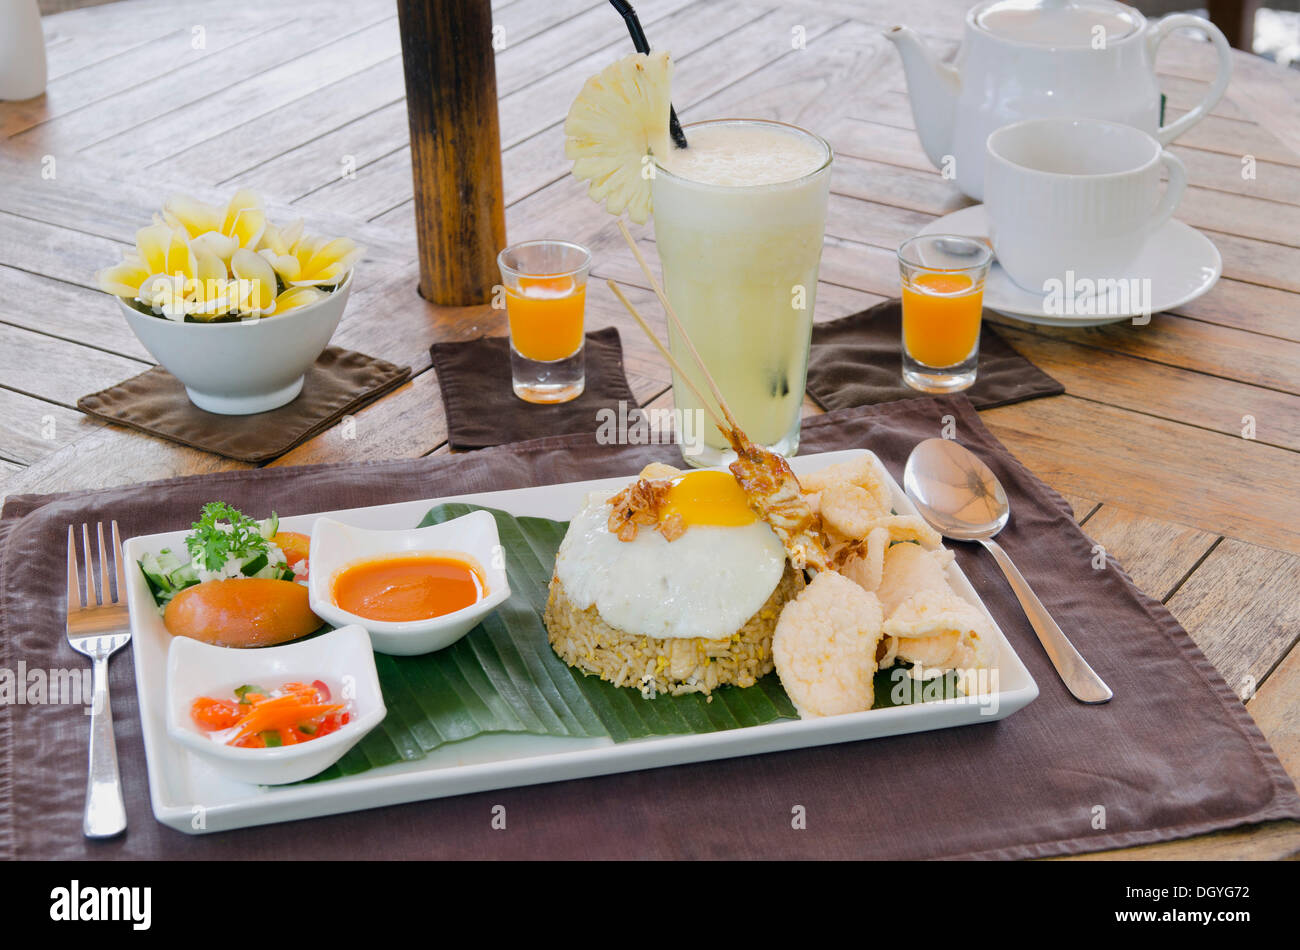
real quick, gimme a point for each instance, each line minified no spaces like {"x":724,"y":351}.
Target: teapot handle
{"x":1167,"y":133}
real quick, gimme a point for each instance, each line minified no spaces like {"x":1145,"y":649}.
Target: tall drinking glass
{"x":739,"y":221}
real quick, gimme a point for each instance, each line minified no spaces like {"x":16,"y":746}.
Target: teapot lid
{"x":1058,"y":23}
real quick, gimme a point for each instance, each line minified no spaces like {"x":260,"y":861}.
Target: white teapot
{"x":1024,"y":59}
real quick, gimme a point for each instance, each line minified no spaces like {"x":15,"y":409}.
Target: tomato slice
{"x":215,"y":714}
{"x":296,"y":547}
{"x":294,"y":713}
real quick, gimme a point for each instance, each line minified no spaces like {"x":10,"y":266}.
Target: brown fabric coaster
{"x":482,"y":408}
{"x":855,"y":361}
{"x":155,"y":402}
{"x":1174,"y":754}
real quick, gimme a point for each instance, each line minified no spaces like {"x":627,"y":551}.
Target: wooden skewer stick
{"x":672,"y":361}
{"x":672,"y":315}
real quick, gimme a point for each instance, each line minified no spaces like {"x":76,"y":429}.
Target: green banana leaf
{"x":503,"y":677}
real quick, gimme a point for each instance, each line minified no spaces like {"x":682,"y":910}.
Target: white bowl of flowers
{"x":234,"y":307}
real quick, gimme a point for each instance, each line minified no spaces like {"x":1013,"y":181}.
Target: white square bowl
{"x":342,"y":659}
{"x":335,"y":545}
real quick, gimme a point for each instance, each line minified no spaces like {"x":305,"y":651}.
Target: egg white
{"x":706,"y":583}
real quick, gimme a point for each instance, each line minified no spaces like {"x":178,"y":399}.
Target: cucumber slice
{"x":252,"y":567}
{"x":270,"y":526}
{"x":167,"y":575}
{"x":155,"y":572}
{"x":184,"y":576}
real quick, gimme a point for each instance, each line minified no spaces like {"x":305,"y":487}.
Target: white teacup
{"x":1078,"y":195}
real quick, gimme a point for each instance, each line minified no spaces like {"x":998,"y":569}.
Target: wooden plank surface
{"x":306,"y":104}
{"x":1158,"y":555}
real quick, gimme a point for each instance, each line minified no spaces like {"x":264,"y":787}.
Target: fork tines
{"x":93,"y":594}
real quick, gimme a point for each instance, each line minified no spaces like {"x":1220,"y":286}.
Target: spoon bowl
{"x":963,"y":500}
{"x":954,"y":491}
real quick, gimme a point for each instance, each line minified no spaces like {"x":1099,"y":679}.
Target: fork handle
{"x":1079,"y":678}
{"x":105,"y":813}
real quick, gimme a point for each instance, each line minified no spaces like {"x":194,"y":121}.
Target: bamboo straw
{"x":672,"y":361}
{"x":672,"y":315}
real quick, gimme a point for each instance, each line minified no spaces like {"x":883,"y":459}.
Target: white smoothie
{"x":739,"y":221}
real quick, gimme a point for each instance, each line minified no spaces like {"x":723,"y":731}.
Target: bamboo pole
{"x":451,"y":103}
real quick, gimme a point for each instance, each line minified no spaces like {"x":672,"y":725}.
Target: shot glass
{"x":546,"y":292}
{"x":943,"y":301}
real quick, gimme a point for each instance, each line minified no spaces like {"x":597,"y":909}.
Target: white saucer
{"x":1180,"y":262}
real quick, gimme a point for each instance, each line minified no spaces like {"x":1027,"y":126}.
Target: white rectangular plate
{"x":189,"y":796}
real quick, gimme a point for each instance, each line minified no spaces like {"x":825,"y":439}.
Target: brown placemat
{"x":1173,"y":754}
{"x":483,"y":410}
{"x":856,"y":361}
{"x":340,"y":382}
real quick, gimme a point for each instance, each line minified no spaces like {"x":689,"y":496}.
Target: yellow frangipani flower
{"x":217,"y":244}
{"x":124,"y":279}
{"x":296,"y":297}
{"x":281,"y":241}
{"x":240,"y":224}
{"x":257,"y":284}
{"x":196,"y":217}
{"x":180,"y":277}
{"x":245,"y":221}
{"x":322,"y":262}
{"x":151,"y":246}
{"x":165,"y":293}
{"x":278,"y":247}
{"x":200,"y":262}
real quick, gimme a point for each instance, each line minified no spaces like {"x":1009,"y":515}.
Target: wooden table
{"x":304,"y":102}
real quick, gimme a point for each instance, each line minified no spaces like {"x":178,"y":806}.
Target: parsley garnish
{"x":214,"y":545}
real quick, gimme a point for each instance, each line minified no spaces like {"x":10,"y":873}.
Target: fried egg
{"x":706,"y":583}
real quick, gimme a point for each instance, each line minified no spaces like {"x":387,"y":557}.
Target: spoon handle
{"x":1078,"y":676}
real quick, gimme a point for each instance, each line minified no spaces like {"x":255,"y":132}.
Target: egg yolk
{"x":708,"y":498}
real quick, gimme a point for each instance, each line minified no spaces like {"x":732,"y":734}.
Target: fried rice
{"x":672,"y":665}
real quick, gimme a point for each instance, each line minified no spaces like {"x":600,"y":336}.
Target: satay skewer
{"x":672,"y":361}
{"x":690,"y":344}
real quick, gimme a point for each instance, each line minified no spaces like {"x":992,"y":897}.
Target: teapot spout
{"x":933,"y":88}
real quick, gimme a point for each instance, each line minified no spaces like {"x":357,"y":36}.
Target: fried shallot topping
{"x":642,"y":504}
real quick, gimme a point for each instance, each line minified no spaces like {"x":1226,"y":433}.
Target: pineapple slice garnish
{"x":615,"y":126}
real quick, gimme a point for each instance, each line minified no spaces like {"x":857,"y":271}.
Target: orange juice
{"x":941,"y":318}
{"x":545,"y":316}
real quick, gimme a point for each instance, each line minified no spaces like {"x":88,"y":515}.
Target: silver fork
{"x":98,"y":626}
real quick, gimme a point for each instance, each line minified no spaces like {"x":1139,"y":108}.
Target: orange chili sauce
{"x":403,"y":587}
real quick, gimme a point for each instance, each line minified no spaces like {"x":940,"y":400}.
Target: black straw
{"x":643,"y":46}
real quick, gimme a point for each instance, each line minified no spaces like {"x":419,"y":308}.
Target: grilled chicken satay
{"x":773,"y":492}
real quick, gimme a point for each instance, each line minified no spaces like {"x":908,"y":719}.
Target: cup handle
{"x":1167,"y":133}
{"x":1173,"y":190}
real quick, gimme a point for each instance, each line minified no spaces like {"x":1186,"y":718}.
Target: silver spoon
{"x":963,"y":500}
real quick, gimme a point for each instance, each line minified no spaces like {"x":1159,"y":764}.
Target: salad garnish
{"x":222,"y":533}
{"x":260,"y":718}
{"x":225,"y":543}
